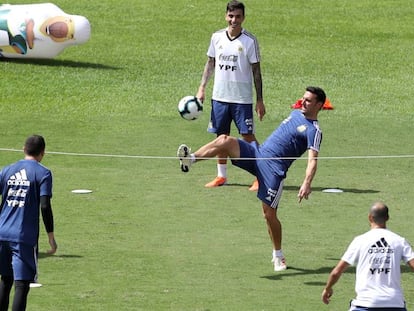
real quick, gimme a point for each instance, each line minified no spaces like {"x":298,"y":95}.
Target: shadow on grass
{"x":46,"y":255}
{"x":293,"y":271}
{"x":314,"y":189}
{"x":58,"y":63}
{"x":237,"y":185}
{"x":351,"y":190}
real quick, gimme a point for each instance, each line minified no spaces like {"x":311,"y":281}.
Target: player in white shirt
{"x":234,"y":59}
{"x":377,"y":255}
{"x":233,"y":71}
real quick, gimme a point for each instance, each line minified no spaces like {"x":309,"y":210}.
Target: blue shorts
{"x":18,"y":260}
{"x":222,"y":114}
{"x":270,"y":184}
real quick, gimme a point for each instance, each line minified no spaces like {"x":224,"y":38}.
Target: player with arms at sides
{"x":234,"y":59}
{"x":270,"y":161}
{"x":25,"y":187}
{"x":377,"y":255}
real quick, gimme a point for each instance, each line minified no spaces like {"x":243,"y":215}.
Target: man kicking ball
{"x":270,"y":161}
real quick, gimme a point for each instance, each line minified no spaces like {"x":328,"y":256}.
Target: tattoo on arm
{"x":208,"y":71}
{"x":257,"y":77}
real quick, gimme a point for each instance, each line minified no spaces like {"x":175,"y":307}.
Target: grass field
{"x":152,"y":238}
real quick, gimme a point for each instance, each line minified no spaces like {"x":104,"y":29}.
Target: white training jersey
{"x":377,"y":255}
{"x":233,"y":79}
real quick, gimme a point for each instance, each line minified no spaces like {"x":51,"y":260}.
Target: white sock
{"x":192,"y":158}
{"x":277,"y":253}
{"x":222,"y":170}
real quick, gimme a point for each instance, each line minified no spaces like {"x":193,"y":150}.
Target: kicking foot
{"x":183,"y":153}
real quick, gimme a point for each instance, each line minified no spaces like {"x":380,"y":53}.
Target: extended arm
{"x":207,"y":73}
{"x":257,"y":77}
{"x":47,"y":216}
{"x":305,"y":189}
{"x":333,"y":278}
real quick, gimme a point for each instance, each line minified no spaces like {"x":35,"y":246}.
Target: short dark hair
{"x":379,"y":213}
{"x":319,"y":92}
{"x":34,"y":145}
{"x":235,"y":5}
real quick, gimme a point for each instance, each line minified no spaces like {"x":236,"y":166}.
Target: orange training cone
{"x":326,"y":106}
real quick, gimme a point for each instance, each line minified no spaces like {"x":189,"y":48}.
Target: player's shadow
{"x":42,"y":255}
{"x":351,"y":190}
{"x":58,"y":63}
{"x":237,"y":185}
{"x":293,"y":271}
{"x":314,"y":189}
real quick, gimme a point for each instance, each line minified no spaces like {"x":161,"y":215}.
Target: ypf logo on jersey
{"x":19,"y":185}
{"x":228,"y":59}
{"x":380,"y":261}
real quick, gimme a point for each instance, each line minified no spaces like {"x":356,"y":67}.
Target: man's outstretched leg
{"x":223,"y":144}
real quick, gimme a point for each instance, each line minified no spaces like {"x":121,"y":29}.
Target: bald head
{"x":379,"y":213}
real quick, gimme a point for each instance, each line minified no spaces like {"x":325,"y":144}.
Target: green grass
{"x":152,"y":238}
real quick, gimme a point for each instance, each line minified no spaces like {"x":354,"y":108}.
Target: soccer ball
{"x":190,"y":108}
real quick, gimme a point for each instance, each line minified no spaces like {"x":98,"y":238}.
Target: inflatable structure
{"x":39,"y":30}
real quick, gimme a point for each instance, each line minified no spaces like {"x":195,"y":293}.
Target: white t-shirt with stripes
{"x":233,"y":81}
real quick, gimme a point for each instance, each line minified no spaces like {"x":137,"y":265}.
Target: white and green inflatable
{"x":39,"y":30}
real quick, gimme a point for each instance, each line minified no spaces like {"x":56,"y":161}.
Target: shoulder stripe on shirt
{"x":256,"y":44}
{"x":318,"y":137}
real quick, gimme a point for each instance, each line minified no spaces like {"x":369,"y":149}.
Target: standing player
{"x":270,"y":161}
{"x":24,"y":186}
{"x":234,"y":59}
{"x":377,"y":255}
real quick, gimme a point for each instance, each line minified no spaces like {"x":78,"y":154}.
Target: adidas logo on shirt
{"x":381,"y":246}
{"x":19,"y":179}
{"x":19,"y":186}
